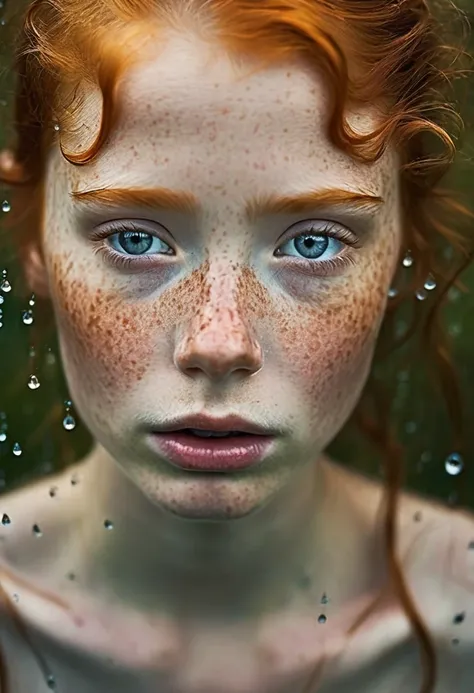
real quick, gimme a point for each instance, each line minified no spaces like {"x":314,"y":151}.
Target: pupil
{"x":135,"y":242}
{"x":311,"y":246}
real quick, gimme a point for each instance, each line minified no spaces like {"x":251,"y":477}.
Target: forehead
{"x":191,"y":102}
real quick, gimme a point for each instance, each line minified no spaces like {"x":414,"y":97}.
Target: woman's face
{"x":228,"y":308}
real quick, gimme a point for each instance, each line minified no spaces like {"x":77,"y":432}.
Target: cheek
{"x":109,"y":342}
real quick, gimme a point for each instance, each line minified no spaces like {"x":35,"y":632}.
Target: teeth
{"x":211,"y":434}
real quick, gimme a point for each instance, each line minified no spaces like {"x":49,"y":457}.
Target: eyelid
{"x":123,"y":226}
{"x":317,"y":227}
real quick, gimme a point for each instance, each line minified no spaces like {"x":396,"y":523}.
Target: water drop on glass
{"x":430,"y":283}
{"x":69,"y":422}
{"x":17,"y":449}
{"x":27,"y":317}
{"x":6,"y":520}
{"x":322,"y":619}
{"x":454,"y":464}
{"x":108,"y":524}
{"x":421,"y":294}
{"x":408,"y":260}
{"x":5,"y":286}
{"x":6,"y":206}
{"x":33,"y":382}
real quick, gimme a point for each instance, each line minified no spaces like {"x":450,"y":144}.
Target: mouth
{"x":201,"y":443}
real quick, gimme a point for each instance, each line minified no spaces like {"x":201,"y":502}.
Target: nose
{"x":218,"y":342}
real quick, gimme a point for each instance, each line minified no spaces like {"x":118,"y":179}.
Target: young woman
{"x":216,"y":197}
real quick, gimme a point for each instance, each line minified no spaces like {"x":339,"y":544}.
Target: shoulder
{"x":439,"y":566}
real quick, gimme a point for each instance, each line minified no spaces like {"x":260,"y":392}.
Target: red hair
{"x":391,"y":52}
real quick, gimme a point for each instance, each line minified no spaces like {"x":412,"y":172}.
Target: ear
{"x":34,"y":269}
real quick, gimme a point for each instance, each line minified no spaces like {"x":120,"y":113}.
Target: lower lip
{"x":212,"y":454}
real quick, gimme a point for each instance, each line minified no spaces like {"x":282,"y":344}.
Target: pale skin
{"x":216,"y":582}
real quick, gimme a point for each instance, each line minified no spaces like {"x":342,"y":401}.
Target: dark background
{"x":33,"y":418}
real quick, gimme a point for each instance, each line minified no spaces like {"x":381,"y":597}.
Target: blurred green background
{"x":36,"y":438}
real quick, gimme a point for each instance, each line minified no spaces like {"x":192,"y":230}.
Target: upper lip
{"x":209,"y":423}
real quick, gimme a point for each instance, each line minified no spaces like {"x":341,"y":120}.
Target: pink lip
{"x":212,"y":454}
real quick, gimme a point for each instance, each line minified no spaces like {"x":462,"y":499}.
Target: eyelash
{"x":316,"y":266}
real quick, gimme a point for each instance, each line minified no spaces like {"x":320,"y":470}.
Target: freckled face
{"x":273,"y":319}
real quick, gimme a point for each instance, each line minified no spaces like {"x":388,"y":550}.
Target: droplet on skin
{"x":6,"y":520}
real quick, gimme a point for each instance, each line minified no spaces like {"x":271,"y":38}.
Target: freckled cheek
{"x":328,"y":350}
{"x":107,"y":345}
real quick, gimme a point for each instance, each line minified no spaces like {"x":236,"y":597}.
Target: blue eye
{"x":311,"y":246}
{"x":138,"y":243}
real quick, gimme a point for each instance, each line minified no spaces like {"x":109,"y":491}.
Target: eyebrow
{"x":257,"y":206}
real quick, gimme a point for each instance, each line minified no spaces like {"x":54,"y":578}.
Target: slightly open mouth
{"x":212,"y":434}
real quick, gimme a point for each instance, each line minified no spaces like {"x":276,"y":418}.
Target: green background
{"x":33,"y":419}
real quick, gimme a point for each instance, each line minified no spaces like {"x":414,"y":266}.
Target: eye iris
{"x":135,"y":242}
{"x":311,"y":246}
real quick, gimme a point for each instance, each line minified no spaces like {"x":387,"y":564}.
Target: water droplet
{"x":430,"y":283}
{"x":6,"y":206}
{"x":454,"y":464}
{"x":3,"y":437}
{"x":27,"y":317}
{"x":17,"y":449}
{"x":57,"y":127}
{"x":417,"y":516}
{"x":15,"y":597}
{"x":459,"y":618}
{"x":33,"y":382}
{"x":108,"y":524}
{"x":52,"y":491}
{"x":421,"y":294}
{"x":32,"y":300}
{"x":51,"y":681}
{"x":392,"y":293}
{"x":5,"y":286}
{"x":1,"y":300}
{"x":67,"y":403}
{"x":74,"y":480}
{"x":69,"y":422}
{"x":324,"y":599}
{"x":37,"y":531}
{"x":322,"y":619}
{"x":470,"y":546}
{"x":408,"y":260}
{"x":6,"y":520}
{"x":71,"y":576}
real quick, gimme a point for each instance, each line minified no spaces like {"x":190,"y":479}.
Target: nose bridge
{"x":219,"y":338}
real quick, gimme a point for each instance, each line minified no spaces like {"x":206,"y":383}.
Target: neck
{"x":289,"y":552}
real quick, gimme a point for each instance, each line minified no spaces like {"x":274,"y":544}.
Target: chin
{"x":209,"y":497}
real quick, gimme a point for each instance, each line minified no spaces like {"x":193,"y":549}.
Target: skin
{"x":198,"y":562}
{"x":217,"y":323}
